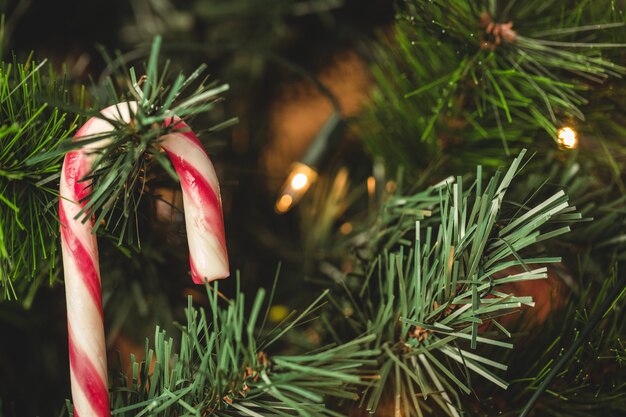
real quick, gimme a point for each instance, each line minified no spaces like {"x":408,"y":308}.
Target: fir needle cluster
{"x":30,"y":124}
{"x":446,"y":87}
{"x":224,"y":366}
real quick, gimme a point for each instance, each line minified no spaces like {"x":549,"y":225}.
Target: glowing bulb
{"x":284,"y":203}
{"x":568,"y":138}
{"x":371,"y":186}
{"x":299,"y":181}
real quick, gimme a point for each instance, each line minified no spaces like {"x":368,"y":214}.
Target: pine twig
{"x":223,"y":367}
{"x":31,"y":124}
{"x":429,"y":301}
{"x":475,"y":78}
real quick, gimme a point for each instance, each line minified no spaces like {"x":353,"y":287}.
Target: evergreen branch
{"x":592,"y":382}
{"x":221,"y":370}
{"x":430,"y":302}
{"x":30,"y":126}
{"x":608,"y":303}
{"x":502,"y":88}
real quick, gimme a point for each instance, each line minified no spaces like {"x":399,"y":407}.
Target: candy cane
{"x":205,"y":232}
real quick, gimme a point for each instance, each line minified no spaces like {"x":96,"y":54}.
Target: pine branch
{"x":459,"y":80}
{"x":592,"y":381}
{"x":607,"y":302}
{"x":30,"y":126}
{"x":224,"y":367}
{"x":588,"y":252}
{"x":429,"y":301}
{"x":588,"y":352}
{"x":596,"y":192}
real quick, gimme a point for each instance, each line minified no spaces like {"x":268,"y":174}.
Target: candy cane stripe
{"x":91,"y":383}
{"x":181,"y":128}
{"x":190,"y":149}
{"x":206,"y":201}
{"x":75,"y":170}
{"x":83,"y":261}
{"x":203,"y":208}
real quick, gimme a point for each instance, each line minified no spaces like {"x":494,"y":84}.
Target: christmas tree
{"x":419,"y":209}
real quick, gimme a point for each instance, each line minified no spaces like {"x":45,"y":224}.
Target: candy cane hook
{"x":205,"y":233}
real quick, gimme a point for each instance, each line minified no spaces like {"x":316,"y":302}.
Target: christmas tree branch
{"x":486,"y":75}
{"x":30,"y":126}
{"x":608,"y":303}
{"x":434,"y":304}
{"x":224,"y":366}
{"x":591,"y":381}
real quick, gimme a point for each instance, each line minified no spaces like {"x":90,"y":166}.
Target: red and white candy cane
{"x":205,"y":232}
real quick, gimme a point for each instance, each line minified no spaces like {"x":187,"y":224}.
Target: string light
{"x":371,"y":186}
{"x":284,"y":203}
{"x":296,"y":185}
{"x":299,"y":181}
{"x":568,"y":137}
{"x":303,"y":174}
{"x":371,"y":193}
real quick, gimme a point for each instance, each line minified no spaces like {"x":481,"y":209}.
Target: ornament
{"x":205,"y":232}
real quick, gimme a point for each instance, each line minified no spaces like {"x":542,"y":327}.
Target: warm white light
{"x":299,"y":181}
{"x":284,"y":203}
{"x":371,"y":186}
{"x":568,"y":138}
